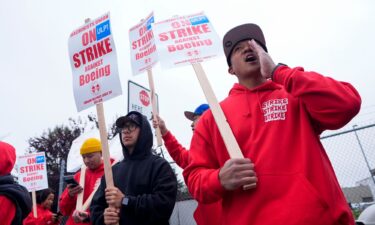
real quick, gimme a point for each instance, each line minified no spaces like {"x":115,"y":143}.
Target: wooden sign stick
{"x":225,"y":131}
{"x":104,"y":140}
{"x":105,"y":149}
{"x":154,"y":109}
{"x":82,"y":184}
{"x":224,"y":128}
{"x":89,"y":199}
{"x":33,"y":196}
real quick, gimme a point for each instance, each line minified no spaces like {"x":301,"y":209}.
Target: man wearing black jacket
{"x":145,"y":185}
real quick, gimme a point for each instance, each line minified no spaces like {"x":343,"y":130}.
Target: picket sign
{"x":104,"y":140}
{"x":224,"y":128}
{"x":82,"y":184}
{"x":33,"y":197}
{"x":154,"y":109}
{"x":143,"y":57}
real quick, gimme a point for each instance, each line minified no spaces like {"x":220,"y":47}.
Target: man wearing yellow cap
{"x":91,"y":151}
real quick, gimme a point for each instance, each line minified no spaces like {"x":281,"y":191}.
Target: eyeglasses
{"x":129,"y":127}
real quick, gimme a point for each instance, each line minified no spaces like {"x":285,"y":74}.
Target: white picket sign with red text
{"x":143,"y":55}
{"x":93,"y":60}
{"x":186,"y":40}
{"x":32,"y":171}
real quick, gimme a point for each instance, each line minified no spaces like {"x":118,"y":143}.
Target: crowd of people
{"x":276,"y":114}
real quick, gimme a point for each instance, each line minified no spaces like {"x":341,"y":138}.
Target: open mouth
{"x":250,"y":58}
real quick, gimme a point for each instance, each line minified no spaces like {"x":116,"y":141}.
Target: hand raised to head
{"x":265,"y":60}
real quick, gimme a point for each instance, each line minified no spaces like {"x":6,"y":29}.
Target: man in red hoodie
{"x":205,"y":214}
{"x":276,"y":114}
{"x":15,"y":200}
{"x":91,"y":152}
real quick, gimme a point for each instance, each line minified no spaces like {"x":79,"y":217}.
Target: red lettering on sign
{"x":187,"y":45}
{"x":91,"y":53}
{"x":145,"y":53}
{"x":98,"y":73}
{"x":31,"y":168}
{"x":143,"y":40}
{"x":184,"y":32}
{"x":89,"y":37}
{"x":31,"y":160}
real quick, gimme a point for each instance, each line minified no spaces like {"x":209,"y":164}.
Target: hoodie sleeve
{"x":202,"y":173}
{"x":67,"y":204}
{"x":330,"y":103}
{"x":178,"y":153}
{"x":157,"y":205}
{"x":7,"y":216}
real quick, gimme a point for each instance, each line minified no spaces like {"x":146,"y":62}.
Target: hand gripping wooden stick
{"x":224,"y":128}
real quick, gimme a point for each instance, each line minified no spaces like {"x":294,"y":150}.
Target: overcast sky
{"x":335,"y":38}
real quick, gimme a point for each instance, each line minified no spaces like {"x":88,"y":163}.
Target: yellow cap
{"x":91,"y":145}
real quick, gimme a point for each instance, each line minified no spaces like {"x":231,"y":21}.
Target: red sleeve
{"x":7,"y":216}
{"x":331,"y":104}
{"x":44,"y":218}
{"x":67,"y":204}
{"x":178,"y":153}
{"x":202,"y":173}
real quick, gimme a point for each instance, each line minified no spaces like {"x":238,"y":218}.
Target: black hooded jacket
{"x":19,"y":196}
{"x":147,"y":180}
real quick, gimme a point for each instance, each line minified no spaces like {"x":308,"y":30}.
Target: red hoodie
{"x":67,"y":204}
{"x":7,"y":160}
{"x":205,"y":214}
{"x":277,"y":125}
{"x":44,"y":217}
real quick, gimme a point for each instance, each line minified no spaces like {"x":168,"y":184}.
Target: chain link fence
{"x":353,"y":159}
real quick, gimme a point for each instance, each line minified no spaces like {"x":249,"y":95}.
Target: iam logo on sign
{"x":145,"y":99}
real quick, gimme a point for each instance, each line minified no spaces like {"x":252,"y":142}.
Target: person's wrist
{"x":275,"y":68}
{"x":164,"y":131}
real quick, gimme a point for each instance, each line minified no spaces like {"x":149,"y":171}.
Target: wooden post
{"x":89,"y":199}
{"x":105,"y":149}
{"x":82,"y":184}
{"x":154,"y":109}
{"x":33,"y":196}
{"x":224,"y":128}
{"x":225,"y":131}
{"x":104,"y":141}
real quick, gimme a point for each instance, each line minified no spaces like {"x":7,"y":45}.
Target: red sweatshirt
{"x":7,"y":160}
{"x":277,"y":125}
{"x":7,"y":216}
{"x":205,"y":214}
{"x":67,"y":204}
{"x":44,"y":217}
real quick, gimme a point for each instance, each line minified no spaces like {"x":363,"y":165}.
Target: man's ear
{"x":231,"y":71}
